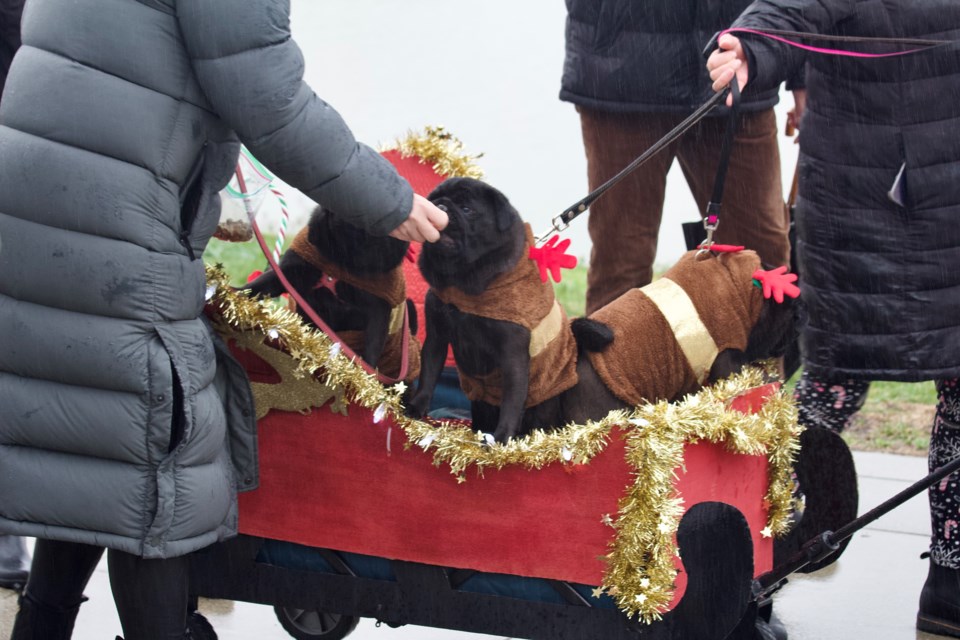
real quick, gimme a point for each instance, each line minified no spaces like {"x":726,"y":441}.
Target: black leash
{"x":819,"y":547}
{"x":712,"y":217}
{"x":562,"y":221}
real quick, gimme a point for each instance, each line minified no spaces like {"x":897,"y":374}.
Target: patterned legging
{"x":831,"y":404}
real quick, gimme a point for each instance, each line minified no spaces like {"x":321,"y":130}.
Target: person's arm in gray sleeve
{"x":251,"y":71}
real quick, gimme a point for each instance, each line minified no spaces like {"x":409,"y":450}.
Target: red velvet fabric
{"x":423,"y":179}
{"x":346,"y":483}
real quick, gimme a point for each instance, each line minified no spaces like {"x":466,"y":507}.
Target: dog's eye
{"x":442,"y":207}
{"x":466,"y":209}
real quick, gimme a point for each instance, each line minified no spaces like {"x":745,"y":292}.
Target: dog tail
{"x":591,"y":335}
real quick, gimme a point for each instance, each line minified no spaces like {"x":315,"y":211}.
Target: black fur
{"x":484,"y":238}
{"x":351,"y":309}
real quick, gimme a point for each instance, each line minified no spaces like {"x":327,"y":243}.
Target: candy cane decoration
{"x":260,"y":171}
{"x":949,"y":527}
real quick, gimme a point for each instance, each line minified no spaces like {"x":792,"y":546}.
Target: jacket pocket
{"x":180,"y":414}
{"x":178,"y":419}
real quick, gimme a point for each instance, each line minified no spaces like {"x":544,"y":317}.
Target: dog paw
{"x":417,"y":407}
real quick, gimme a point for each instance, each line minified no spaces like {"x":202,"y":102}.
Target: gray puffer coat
{"x":122,"y":421}
{"x":880,"y":274}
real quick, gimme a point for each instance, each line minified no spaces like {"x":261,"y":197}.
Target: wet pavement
{"x":871,"y":593}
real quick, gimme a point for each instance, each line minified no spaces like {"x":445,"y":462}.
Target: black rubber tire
{"x":314,"y":625}
{"x":199,"y":628}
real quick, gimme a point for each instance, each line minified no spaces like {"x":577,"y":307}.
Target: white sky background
{"x":490,"y":73}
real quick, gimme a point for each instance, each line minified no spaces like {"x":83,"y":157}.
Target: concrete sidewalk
{"x":871,"y":593}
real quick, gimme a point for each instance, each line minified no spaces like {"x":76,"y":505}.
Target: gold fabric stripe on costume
{"x":396,"y":318}
{"x":691,"y":333}
{"x":547,"y":330}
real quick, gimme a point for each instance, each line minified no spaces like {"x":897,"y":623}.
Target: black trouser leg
{"x":151,"y":595}
{"x":54,"y":591}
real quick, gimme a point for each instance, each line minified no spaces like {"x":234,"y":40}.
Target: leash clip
{"x":559,"y":224}
{"x":710,"y":223}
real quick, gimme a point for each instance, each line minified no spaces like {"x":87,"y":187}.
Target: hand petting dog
{"x":510,"y":337}
{"x":354,"y":282}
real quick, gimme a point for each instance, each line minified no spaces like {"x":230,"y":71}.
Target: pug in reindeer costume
{"x":510,"y":337}
{"x":708,"y":316}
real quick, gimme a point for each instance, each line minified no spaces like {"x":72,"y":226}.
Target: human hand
{"x":728,"y":60}
{"x":424,"y":223}
{"x":794,"y":115}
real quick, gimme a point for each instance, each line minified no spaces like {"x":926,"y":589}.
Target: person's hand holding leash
{"x":727,"y":60}
{"x":424,"y":224}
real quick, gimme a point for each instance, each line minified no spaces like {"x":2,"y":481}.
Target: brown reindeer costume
{"x":389,"y":286}
{"x":668,"y":333}
{"x":521,"y":297}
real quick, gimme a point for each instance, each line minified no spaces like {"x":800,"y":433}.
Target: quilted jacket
{"x":879,"y":198}
{"x":122,"y":421}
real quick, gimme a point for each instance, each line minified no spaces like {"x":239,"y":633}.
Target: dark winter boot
{"x":940,"y":602}
{"x":14,"y":562}
{"x":37,"y":621}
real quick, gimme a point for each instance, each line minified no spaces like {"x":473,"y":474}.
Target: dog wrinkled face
{"x":484,"y":233}
{"x":478,"y":213}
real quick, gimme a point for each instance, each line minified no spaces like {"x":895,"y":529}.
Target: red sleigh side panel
{"x":346,"y":483}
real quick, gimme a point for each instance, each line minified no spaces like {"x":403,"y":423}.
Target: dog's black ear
{"x":266,"y":284}
{"x":507,"y":216}
{"x":591,"y":335}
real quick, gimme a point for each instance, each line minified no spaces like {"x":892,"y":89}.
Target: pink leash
{"x":779,"y":37}
{"x":315,"y":318}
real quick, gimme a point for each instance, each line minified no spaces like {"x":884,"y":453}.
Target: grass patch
{"x":239,"y":259}
{"x":896,"y":418}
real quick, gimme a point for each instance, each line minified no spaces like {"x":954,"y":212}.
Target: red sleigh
{"x":650,"y":524}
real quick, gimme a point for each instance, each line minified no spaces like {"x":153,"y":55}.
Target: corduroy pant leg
{"x":753,"y":212}
{"x":624,"y":223}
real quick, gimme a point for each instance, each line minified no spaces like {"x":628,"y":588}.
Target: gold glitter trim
{"x":440,"y":149}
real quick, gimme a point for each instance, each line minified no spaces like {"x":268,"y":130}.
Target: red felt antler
{"x":777,"y":283}
{"x":552,"y":257}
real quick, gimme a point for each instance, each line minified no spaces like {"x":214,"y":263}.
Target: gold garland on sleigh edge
{"x":640,"y":565}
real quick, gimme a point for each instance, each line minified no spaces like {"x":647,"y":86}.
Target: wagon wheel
{"x":199,"y":628}
{"x":310,"y":624}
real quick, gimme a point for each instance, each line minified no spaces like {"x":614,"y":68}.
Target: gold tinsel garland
{"x":640,"y":573}
{"x":440,"y":149}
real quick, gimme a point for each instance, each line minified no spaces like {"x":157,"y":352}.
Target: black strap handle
{"x":712,"y":215}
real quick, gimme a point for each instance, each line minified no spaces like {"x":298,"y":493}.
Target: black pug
{"x":510,"y":337}
{"x":352,"y":279}
{"x":702,"y":321}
